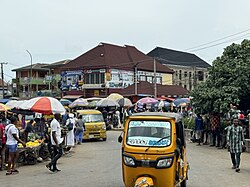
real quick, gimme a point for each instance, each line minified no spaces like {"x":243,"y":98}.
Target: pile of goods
{"x":30,"y":144}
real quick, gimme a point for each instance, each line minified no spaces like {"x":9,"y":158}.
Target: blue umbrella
{"x":180,"y":101}
{"x":162,"y":104}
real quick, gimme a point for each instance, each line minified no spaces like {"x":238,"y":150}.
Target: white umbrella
{"x":106,"y":103}
{"x":44,"y":105}
{"x":14,"y":103}
{"x":124,"y":102}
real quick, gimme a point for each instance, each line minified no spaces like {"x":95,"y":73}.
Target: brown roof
{"x":37,"y":66}
{"x":118,"y":57}
{"x":57,"y":64}
{"x":144,"y":87}
{"x":1,"y":83}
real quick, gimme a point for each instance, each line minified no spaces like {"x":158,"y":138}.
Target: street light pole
{"x":3,"y":63}
{"x":30,"y":81}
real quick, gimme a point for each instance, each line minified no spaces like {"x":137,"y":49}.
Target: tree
{"x":228,"y":81}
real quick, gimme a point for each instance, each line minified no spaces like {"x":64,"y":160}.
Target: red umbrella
{"x":44,"y":105}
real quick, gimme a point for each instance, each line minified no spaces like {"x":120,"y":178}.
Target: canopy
{"x":147,"y":100}
{"x":115,"y":96}
{"x":79,"y":102}
{"x":14,"y":103}
{"x":65,"y":102}
{"x":44,"y":105}
{"x":107,"y":103}
{"x":180,"y":101}
{"x":124,"y":102}
{"x":3,"y":108}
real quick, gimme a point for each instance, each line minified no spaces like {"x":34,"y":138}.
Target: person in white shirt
{"x":56,"y":141}
{"x":70,"y":123}
{"x":12,"y":139}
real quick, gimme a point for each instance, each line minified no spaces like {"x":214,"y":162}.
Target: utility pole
{"x":3,"y":63}
{"x":155,"y":86}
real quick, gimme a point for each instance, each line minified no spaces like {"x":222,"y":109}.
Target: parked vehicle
{"x":95,"y":127}
{"x":154,"y":150}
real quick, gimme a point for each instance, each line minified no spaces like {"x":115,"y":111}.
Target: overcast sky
{"x":53,"y":30}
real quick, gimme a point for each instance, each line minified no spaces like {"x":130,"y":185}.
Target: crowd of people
{"x":58,"y":135}
{"x":227,"y":131}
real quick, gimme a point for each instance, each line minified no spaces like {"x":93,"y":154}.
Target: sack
{"x":70,"y":126}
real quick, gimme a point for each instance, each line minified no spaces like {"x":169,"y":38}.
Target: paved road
{"x":98,"y":164}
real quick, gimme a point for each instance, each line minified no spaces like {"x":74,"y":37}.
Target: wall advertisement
{"x":72,"y":80}
{"x":120,"y":79}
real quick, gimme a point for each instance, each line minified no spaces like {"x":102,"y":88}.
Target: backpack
{"x":70,"y":125}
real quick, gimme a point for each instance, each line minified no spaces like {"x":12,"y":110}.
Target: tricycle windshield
{"x":89,"y":118}
{"x":148,"y":133}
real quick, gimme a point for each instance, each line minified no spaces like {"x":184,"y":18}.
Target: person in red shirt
{"x":2,"y":144}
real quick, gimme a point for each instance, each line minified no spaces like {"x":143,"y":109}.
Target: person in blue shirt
{"x":198,"y":128}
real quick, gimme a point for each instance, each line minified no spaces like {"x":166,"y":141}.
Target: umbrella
{"x":92,"y":104}
{"x":94,"y":99}
{"x":79,"y":102}
{"x":65,"y":102}
{"x":3,"y":108}
{"x":115,"y":96}
{"x":14,"y":103}
{"x":107,"y":103}
{"x":44,"y":105}
{"x":180,"y":101}
{"x":162,"y":104}
{"x":124,"y":102}
{"x":147,"y":100}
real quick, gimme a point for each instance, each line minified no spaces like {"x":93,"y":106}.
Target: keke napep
{"x":154,"y":150}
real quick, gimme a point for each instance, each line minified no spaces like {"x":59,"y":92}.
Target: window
{"x":185,"y":86}
{"x":185,"y":74}
{"x":95,"y":78}
{"x":142,"y":78}
{"x":190,"y":74}
{"x":147,"y":133}
{"x":158,"y":80}
{"x":200,"y":76}
{"x":176,"y":73}
{"x":180,"y":74}
{"x":150,"y":79}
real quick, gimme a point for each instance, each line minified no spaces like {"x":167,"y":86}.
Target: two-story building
{"x":30,"y":80}
{"x":189,"y":69}
{"x":107,"y":68}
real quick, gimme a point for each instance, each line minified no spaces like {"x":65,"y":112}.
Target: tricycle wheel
{"x":184,"y":183}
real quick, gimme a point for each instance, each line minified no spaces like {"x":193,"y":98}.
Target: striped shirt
{"x":235,"y":138}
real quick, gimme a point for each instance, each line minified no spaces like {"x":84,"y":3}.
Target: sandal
{"x":8,"y":173}
{"x":15,"y":171}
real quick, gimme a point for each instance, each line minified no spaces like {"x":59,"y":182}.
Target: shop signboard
{"x":120,"y":79}
{"x":71,"y":80}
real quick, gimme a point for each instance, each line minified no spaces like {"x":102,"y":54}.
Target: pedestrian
{"x":235,"y":140}
{"x":12,"y":134}
{"x":215,"y":129}
{"x":205,"y":131}
{"x":56,"y":142}
{"x":198,"y":128}
{"x":80,"y":127}
{"x":70,"y":123}
{"x":2,"y":143}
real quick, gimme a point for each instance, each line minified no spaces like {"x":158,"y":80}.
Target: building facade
{"x":189,"y":69}
{"x":108,"y":68}
{"x":29,"y":84}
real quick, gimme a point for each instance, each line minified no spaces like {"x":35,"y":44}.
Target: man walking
{"x":235,"y":139}
{"x":56,"y":141}
{"x":198,"y":128}
{"x":12,"y":140}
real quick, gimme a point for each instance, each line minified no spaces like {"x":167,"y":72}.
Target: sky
{"x":54,"y":30}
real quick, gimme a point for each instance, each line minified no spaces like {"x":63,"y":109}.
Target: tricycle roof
{"x":177,"y":116}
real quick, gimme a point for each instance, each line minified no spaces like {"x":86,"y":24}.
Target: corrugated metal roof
{"x":173,"y":57}
{"x":116,"y":57}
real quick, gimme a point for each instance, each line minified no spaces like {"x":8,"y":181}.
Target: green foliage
{"x":189,"y":122}
{"x":228,"y":81}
